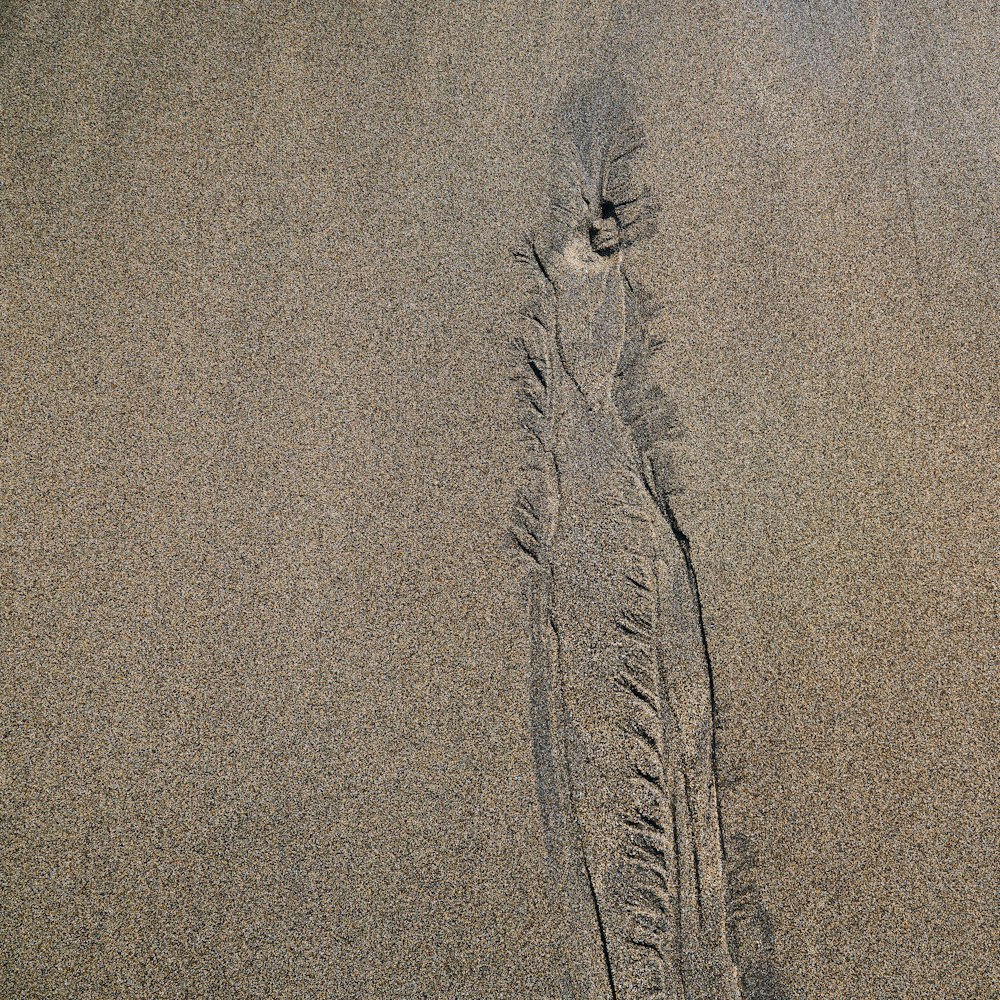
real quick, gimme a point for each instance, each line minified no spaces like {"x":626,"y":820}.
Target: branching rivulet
{"x":621,"y":681}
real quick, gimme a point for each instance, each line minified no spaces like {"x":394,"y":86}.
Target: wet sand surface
{"x":264,"y":643}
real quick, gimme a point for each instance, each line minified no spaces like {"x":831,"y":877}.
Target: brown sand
{"x":263,"y":668}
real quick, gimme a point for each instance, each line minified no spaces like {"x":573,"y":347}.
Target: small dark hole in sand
{"x":605,"y":226}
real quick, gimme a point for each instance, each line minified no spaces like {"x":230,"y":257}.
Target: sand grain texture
{"x":264,"y":651}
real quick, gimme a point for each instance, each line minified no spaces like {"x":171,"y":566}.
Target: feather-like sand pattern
{"x":621,"y":681}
